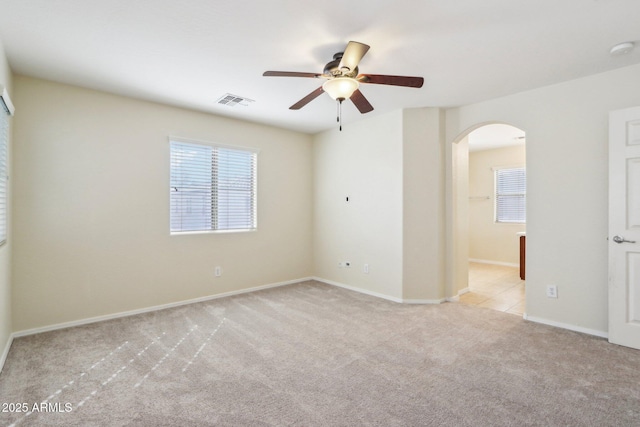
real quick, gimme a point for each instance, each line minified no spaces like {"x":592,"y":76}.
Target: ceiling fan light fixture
{"x":343,"y":79}
{"x":340,"y":87}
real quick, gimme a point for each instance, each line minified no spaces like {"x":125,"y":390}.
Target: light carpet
{"x":310,"y":354}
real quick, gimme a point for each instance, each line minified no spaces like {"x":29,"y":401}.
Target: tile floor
{"x":496,"y":287}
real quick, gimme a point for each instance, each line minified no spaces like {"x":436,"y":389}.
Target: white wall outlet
{"x":218,"y":271}
{"x":552,"y":291}
{"x":365,"y":269}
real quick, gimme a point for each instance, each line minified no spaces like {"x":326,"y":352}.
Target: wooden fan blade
{"x":361,"y":102}
{"x":307,"y":99}
{"x":289,"y":74}
{"x":353,"y":55}
{"x":381,"y":79}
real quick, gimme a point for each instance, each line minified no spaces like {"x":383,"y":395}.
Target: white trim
{"x":456,"y":298}
{"x":486,"y":261}
{"x":424,"y":301}
{"x":223,"y":231}
{"x":360,"y":290}
{"x":512,"y":166}
{"x":567,"y":326}
{"x":5,"y":353}
{"x":5,"y":100}
{"x":379,"y":295}
{"x":150,"y":309}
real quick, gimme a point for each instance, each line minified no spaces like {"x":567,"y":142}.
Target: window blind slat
{"x":212,"y":188}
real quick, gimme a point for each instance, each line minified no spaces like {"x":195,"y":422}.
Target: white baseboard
{"x":379,"y":295}
{"x":360,"y":290}
{"x":424,"y":301}
{"x":5,"y":352}
{"x":486,"y":261}
{"x":573,"y":328}
{"x":456,"y":298}
{"x":150,"y":309}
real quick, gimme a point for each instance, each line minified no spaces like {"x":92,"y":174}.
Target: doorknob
{"x":620,"y":239}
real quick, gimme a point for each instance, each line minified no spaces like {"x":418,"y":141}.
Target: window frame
{"x":6,"y":110}
{"x":497,"y":197}
{"x":214,"y":179}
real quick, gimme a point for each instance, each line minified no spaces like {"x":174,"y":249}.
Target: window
{"x":212,"y":187}
{"x":6,"y":109}
{"x":511,"y":195}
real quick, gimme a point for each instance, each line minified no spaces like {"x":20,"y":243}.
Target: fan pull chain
{"x":339,"y":119}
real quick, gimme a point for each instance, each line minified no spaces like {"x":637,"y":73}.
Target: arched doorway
{"x":488,"y":215}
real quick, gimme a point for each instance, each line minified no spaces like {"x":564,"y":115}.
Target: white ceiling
{"x":190,"y":53}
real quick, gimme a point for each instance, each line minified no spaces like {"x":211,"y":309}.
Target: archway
{"x":484,"y":223}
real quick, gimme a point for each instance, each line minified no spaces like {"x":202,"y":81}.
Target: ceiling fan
{"x":343,"y":80}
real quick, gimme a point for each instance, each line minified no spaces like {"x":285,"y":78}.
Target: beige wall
{"x":91,"y":215}
{"x":90,"y":227}
{"x":490,"y":241}
{"x":6,"y":249}
{"x":567,"y":202}
{"x":423,"y":252}
{"x":460,"y":216}
{"x":364,"y":162}
{"x":391,"y":167}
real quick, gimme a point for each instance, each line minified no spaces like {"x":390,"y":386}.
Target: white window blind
{"x":5,"y":110}
{"x":511,"y":195}
{"x":212,"y":187}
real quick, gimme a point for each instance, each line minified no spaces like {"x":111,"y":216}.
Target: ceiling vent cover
{"x":231,"y":100}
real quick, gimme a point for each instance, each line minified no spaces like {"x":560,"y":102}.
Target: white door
{"x":624,"y":227}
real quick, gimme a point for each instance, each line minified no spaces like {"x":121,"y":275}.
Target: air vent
{"x":231,"y":100}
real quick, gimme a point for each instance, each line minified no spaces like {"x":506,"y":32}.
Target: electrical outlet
{"x":552,"y":291}
{"x":218,"y":271}
{"x":365,"y":269}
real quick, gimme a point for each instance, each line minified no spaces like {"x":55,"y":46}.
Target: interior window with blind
{"x":511,"y":195}
{"x":212,"y":187}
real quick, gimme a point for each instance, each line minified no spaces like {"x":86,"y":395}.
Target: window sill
{"x":189,"y":233}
